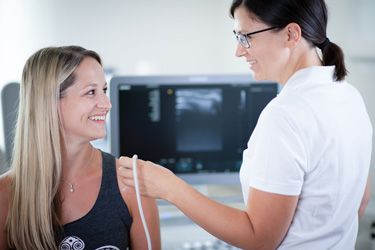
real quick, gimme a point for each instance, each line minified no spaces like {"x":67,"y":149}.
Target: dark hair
{"x":310,"y":15}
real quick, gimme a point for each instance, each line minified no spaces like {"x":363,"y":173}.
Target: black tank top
{"x":107,"y":225}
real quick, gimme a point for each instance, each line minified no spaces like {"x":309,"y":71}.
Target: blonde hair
{"x":33,"y":217}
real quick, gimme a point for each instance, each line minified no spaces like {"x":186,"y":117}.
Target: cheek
{"x":277,"y":59}
{"x":70,"y":112}
{"x":272,"y":62}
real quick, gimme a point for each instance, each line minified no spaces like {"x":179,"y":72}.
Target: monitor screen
{"x":197,"y":126}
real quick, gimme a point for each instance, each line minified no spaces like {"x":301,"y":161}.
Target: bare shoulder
{"x":130,"y":198}
{"x":5,"y":181}
{"x":4,"y":185}
{"x":128,"y":193}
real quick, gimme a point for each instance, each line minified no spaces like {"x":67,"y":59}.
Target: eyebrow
{"x":92,"y":85}
{"x":95,"y":85}
{"x":240,"y":32}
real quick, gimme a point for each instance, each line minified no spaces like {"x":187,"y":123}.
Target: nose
{"x":104,"y":103}
{"x":240,"y":50}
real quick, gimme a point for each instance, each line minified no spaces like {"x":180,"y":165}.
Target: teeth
{"x":252,"y":62}
{"x":97,"y":118}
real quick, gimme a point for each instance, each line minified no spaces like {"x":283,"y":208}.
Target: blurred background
{"x":172,"y":37}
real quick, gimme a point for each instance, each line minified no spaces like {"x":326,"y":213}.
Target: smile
{"x":252,"y":62}
{"x":97,"y":117}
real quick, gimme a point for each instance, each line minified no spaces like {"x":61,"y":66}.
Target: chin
{"x":258,"y":77}
{"x":98,"y":137}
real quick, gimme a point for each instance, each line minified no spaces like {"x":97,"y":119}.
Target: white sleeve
{"x":275,"y":160}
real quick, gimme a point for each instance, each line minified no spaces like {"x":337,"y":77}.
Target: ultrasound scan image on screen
{"x":198,"y":120}
{"x":188,"y":128}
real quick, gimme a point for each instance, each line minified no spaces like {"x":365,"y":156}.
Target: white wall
{"x":167,"y":37}
{"x":351,"y":25}
{"x":155,"y":37}
{"x":133,"y":37}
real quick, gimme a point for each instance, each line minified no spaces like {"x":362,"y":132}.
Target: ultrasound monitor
{"x":197,"y":126}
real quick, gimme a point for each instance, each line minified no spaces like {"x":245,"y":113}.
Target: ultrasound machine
{"x":195,"y":125}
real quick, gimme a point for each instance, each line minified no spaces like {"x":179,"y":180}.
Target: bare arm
{"x":138,"y":240}
{"x":365,"y":199}
{"x":4,"y":201}
{"x":262,"y":226}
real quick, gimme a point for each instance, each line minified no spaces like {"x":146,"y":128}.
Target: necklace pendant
{"x":71,"y":183}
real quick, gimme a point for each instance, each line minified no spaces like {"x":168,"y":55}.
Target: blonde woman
{"x":61,"y":192}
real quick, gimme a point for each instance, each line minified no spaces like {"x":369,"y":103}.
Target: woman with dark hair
{"x":305,"y":173}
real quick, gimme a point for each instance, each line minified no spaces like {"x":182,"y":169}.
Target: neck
{"x":74,"y":158}
{"x":302,"y":56}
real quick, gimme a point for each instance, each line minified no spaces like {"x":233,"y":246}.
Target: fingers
{"x":125,"y":171}
{"x":126,"y":168}
{"x":126,"y":176}
{"x":126,"y":162}
{"x":149,"y":175}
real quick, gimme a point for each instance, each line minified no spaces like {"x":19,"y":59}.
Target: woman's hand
{"x":154,"y":181}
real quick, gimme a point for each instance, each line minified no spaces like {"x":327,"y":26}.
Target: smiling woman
{"x":85,"y":105}
{"x":305,"y":172}
{"x":61,"y":192}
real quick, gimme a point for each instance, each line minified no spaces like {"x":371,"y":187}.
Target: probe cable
{"x":135,"y":157}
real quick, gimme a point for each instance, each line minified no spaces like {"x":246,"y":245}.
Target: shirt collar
{"x":314,"y":74}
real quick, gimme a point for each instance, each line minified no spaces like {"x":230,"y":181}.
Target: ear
{"x":294,"y":35}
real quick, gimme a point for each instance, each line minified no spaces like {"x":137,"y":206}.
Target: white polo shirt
{"x":313,"y":140}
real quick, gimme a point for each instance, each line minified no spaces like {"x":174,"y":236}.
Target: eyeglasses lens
{"x":243,"y":40}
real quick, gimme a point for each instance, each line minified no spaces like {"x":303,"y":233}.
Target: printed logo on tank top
{"x":107,"y":248}
{"x":75,"y":243}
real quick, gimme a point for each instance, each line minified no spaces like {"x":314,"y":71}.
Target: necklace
{"x":83,"y":170}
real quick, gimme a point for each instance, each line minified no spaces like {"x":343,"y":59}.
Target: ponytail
{"x":332,"y":55}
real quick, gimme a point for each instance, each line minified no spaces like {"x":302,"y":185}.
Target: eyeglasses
{"x":243,"y":38}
